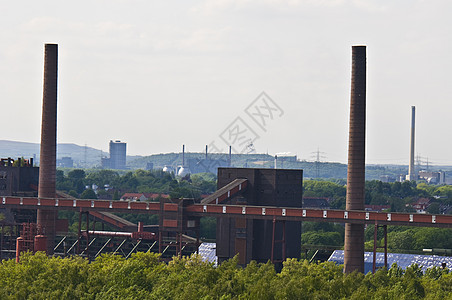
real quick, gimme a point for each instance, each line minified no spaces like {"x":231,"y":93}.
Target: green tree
{"x":88,"y":194}
{"x":146,"y":276}
{"x":102,"y":177}
{"x":313,"y":188}
{"x":208,"y":227}
{"x":433,"y":208}
{"x":76,"y":174}
{"x":403,"y":240}
{"x":73,"y":194}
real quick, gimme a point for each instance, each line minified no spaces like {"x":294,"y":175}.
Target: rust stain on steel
{"x":354,"y":233}
{"x":47,"y":165}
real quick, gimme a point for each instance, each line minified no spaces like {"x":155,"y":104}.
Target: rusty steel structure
{"x":47,"y":171}
{"x":354,"y":233}
{"x":31,"y":239}
{"x":258,"y":211}
{"x":246,"y":211}
{"x":384,"y":247}
{"x":181,"y":217}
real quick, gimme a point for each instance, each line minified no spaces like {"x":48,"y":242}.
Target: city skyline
{"x":157,"y":75}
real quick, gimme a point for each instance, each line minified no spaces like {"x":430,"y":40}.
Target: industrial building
{"x":433,"y":177}
{"x":255,"y":239}
{"x":117,"y":158}
{"x":20,"y":179}
{"x":258,"y":211}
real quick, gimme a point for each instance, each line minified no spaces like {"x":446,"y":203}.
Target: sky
{"x":271,"y":73}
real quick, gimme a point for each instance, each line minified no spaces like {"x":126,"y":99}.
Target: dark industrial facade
{"x":254,"y":239}
{"x":20,"y":180}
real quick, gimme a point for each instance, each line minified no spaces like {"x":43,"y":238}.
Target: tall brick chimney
{"x":354,"y":233}
{"x":47,"y":166}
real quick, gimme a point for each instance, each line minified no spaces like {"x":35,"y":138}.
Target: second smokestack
{"x":411,"y":172}
{"x":47,"y":166}
{"x":354,"y":233}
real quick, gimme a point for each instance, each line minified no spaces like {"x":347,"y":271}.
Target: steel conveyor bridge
{"x":240,"y":211}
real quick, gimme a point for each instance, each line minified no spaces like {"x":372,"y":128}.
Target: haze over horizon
{"x":158,"y":75}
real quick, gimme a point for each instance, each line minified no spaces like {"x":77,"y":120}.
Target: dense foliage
{"x":139,"y":181}
{"x":403,"y":239}
{"x":145,"y":276}
{"x":321,"y":233}
{"x":396,"y":194}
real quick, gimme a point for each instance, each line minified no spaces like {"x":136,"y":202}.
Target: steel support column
{"x":1,"y":243}
{"x":87,"y":235}
{"x":374,"y":261}
{"x":275,"y":241}
{"x":79,"y":232}
{"x":385,"y":246}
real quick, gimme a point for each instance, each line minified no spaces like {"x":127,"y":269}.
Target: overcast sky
{"x":159,"y":74}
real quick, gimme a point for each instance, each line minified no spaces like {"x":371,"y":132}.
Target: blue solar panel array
{"x":208,"y":252}
{"x":402,"y":260}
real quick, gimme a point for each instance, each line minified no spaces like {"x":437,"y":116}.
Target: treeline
{"x":311,"y":169}
{"x":145,"y":276}
{"x":399,"y":197}
{"x":396,"y":194}
{"x":401,"y":239}
{"x":112,"y":185}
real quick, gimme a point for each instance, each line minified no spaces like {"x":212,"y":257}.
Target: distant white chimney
{"x":411,"y":173}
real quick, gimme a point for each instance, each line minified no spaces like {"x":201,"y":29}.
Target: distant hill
{"x":15,"y":149}
{"x":198,"y":162}
{"x":321,"y":170}
{"x":326,"y":170}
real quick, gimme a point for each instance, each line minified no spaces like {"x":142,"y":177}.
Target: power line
{"x":317,"y":155}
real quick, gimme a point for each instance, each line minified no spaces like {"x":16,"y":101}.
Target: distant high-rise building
{"x":117,"y":158}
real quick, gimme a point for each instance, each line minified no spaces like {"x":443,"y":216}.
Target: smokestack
{"x":207,"y":148}
{"x":276,"y":161}
{"x":230,"y":156}
{"x":183,"y":155}
{"x":411,"y":173}
{"x":47,"y":168}
{"x":354,"y":233}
